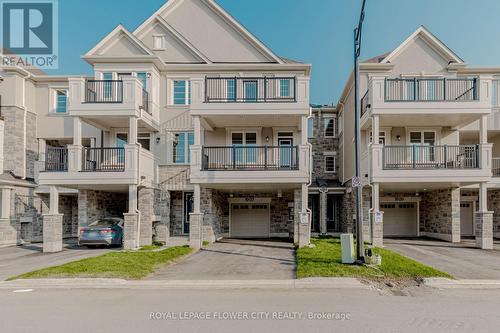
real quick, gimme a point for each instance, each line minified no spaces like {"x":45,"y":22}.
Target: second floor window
{"x":329,"y":127}
{"x":330,"y":162}
{"x":181,"y":92}
{"x":143,"y":77}
{"x":182,"y":147}
{"x":285,"y":88}
{"x":61,"y":101}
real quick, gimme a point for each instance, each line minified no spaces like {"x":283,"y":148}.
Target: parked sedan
{"x":106,"y":231}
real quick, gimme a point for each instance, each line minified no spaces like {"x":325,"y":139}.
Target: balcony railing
{"x":242,"y":158}
{"x":364,"y":103}
{"x":495,"y":163}
{"x":56,"y":159}
{"x":103,"y":159}
{"x":103,"y":91}
{"x":145,"y":101}
{"x":250,"y":90}
{"x":430,"y":157}
{"x":431,"y":90}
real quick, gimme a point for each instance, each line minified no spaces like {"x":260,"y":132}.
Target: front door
{"x":285,"y":155}
{"x":467,"y":218}
{"x":188,"y":208}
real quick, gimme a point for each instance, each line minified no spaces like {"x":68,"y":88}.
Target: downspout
{"x":310,"y":170}
{"x":139,"y":181}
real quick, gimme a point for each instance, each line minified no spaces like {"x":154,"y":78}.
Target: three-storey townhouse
{"x":416,"y":164}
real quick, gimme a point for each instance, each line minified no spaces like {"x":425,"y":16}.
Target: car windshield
{"x":107,"y":223}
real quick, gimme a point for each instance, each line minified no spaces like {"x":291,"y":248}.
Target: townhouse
{"x":428,"y":132}
{"x":190,"y":128}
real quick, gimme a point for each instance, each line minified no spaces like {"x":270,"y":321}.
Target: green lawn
{"x":325,"y":261}
{"x":131,"y":265}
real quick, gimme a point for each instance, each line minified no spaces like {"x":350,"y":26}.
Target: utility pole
{"x":356,"y":182}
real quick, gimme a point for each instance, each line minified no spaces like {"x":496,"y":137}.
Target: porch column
{"x":483,"y":130}
{"x":484,"y":221}
{"x":146,"y":201}
{"x":375,"y":129}
{"x":303,"y":130}
{"x":131,"y":221}
{"x":197,"y":130}
{"x":53,"y":224}
{"x":196,"y":220}
{"x":75,"y":150}
{"x":132,"y":131}
{"x":376,"y":218}
{"x":304,"y":223}
{"x":323,"y":212}
{"x":455,"y":215}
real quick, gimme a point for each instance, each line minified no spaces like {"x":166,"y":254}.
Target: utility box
{"x":347,"y":246}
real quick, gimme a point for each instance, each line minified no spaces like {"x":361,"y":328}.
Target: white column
{"x":483,"y":221}
{"x":132,"y":199}
{"x":197,"y":130}
{"x":303,"y":130}
{"x":483,"y":198}
{"x":375,"y":128}
{"x":77,"y":131}
{"x":305,"y":198}
{"x":376,"y":218}
{"x":54,"y":201}
{"x":197,"y":199}
{"x":375,"y":197}
{"x":483,"y":130}
{"x":132,"y":131}
{"x":6,"y":197}
{"x":304,"y":227}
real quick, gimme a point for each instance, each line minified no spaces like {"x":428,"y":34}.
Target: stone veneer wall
{"x":176,"y":212}
{"x":347,"y":219}
{"x":494,"y":206}
{"x":437,"y":211}
{"x":31,"y":145}
{"x":215,"y":208}
{"x":93,"y":205}
{"x":13,"y":139}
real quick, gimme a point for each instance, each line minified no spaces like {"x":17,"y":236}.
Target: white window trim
{"x":330,"y":154}
{"x":278,"y":130}
{"x":186,"y":149}
{"x":436,"y":130}
{"x":163,"y":42}
{"x":53,"y":100}
{"x":230,"y":131}
{"x":325,"y":118}
{"x":172,"y":97}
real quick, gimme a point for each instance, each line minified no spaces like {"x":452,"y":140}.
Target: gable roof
{"x":217,"y":9}
{"x":120,"y":29}
{"x":428,"y":37}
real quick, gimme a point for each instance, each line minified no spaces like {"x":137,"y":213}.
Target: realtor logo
{"x":29,"y":33}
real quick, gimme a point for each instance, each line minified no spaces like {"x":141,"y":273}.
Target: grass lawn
{"x":325,"y":261}
{"x":132,"y":265}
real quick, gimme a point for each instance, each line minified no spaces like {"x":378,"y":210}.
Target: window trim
{"x":53,"y":100}
{"x":187,"y":92}
{"x":328,"y":117}
{"x":327,"y":155}
{"x":187,"y":149}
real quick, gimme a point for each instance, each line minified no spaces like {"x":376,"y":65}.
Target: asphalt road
{"x":341,"y":310}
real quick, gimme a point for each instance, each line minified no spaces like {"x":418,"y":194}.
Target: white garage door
{"x":400,"y":219}
{"x":250,"y":220}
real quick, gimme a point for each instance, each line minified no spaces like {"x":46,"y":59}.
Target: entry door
{"x":467,"y":219}
{"x":332,"y":213}
{"x":188,"y":208}
{"x":245,"y":151}
{"x":424,"y":142}
{"x":285,"y":155}
{"x":250,"y":88}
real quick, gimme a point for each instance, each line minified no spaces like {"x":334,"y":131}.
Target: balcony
{"x":430,"y":157}
{"x":103,"y":159}
{"x":495,"y":166}
{"x":431,"y":90}
{"x":235,"y":158}
{"x":250,"y":90}
{"x":249,"y":164}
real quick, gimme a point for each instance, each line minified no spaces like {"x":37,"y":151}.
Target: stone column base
{"x":304,"y":229}
{"x":162,"y":233}
{"x":484,"y":230}
{"x":377,"y":228}
{"x":195,"y":225}
{"x":130,"y":225}
{"x":52,"y":233}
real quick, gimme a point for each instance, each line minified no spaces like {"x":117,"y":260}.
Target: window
{"x":250,"y":88}
{"x":61,"y":101}
{"x":231,"y":90}
{"x":310,"y":127}
{"x":143,"y":77}
{"x":329,"y":123}
{"x":159,"y":42}
{"x":330,"y":162}
{"x":423,"y":138}
{"x":182,"y":92}
{"x":182,"y":147}
{"x":121,"y":140}
{"x":145,"y":140}
{"x":121,"y":76}
{"x":244,"y":143}
{"x":108,"y":86}
{"x":381,"y":138}
{"x":285,"y":88}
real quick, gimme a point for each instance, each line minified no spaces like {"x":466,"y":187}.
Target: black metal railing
{"x":145,"y":101}
{"x":250,"y":158}
{"x":364,"y":103}
{"x":250,"y":90}
{"x":495,"y":166}
{"x":103,"y":159}
{"x":431,"y":90}
{"x":56,"y":159}
{"x":104,"y":91}
{"x":430,"y":157}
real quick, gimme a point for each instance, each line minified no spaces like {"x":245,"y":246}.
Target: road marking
{"x":23,"y":291}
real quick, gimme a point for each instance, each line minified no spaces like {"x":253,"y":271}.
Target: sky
{"x":317,"y":32}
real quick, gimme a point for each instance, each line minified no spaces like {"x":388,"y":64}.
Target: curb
{"x":443,"y":283}
{"x":310,"y":283}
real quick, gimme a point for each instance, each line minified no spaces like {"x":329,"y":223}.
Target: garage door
{"x":467,"y":218}
{"x":400,"y":219}
{"x":250,"y":220}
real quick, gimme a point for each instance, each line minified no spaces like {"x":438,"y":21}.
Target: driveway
{"x":233,"y":259}
{"x":463,"y":260}
{"x":16,"y":260}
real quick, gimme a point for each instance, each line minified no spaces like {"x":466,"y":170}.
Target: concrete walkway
{"x":233,"y":259}
{"x":17,"y":260}
{"x":463,"y":260}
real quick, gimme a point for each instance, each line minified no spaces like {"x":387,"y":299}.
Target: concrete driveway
{"x":234,"y":259}
{"x":22,"y":259}
{"x":463,"y":260}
